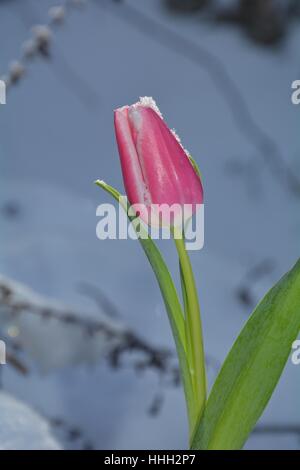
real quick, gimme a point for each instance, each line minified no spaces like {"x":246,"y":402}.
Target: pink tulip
{"x":156,"y":168}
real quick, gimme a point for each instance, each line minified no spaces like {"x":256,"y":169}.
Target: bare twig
{"x":16,"y":363}
{"x":75,"y":435}
{"x":39,"y":45}
{"x":71,"y":434}
{"x":17,"y":300}
{"x":244,"y":121}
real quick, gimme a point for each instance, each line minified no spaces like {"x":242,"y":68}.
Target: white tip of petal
{"x":148,"y":102}
{"x":179,"y":141}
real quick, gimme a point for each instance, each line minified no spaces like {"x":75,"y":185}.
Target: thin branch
{"x":16,"y":363}
{"x":244,"y":121}
{"x":39,"y":45}
{"x":71,"y":434}
{"x":16,"y":300}
{"x":75,"y":435}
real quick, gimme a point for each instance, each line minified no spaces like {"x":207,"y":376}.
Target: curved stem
{"x":193,"y":326}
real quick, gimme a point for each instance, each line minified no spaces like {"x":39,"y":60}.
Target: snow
{"x":22,"y":428}
{"x":57,"y":138}
{"x":68,"y":343}
{"x":149,"y":102}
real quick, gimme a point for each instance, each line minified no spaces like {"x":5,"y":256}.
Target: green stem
{"x":193,"y":327}
{"x":189,"y":350}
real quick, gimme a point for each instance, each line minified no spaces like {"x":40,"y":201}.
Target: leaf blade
{"x":252,"y":368}
{"x":171,"y":301}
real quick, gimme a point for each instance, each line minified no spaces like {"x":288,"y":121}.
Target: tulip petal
{"x":156,"y":169}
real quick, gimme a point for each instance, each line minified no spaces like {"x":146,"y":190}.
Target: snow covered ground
{"x":22,"y":428}
{"x":57,"y":138}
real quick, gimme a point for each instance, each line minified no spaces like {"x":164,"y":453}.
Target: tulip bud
{"x":160,"y":180}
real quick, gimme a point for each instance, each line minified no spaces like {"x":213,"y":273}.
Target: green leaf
{"x":252,"y":368}
{"x":169,"y":294}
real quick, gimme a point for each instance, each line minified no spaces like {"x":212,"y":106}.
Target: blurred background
{"x":90,"y":358}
